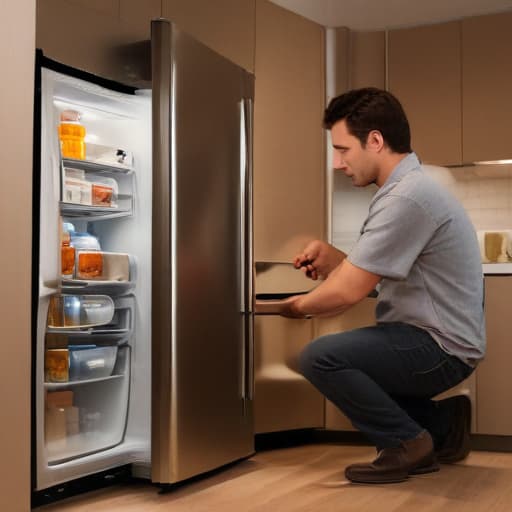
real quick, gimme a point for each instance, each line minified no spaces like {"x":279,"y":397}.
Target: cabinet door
{"x":493,"y":387}
{"x":283,"y":398}
{"x":361,"y":315}
{"x":226,"y":26}
{"x":360,"y":59}
{"x":289,"y":144}
{"x":424,"y":74}
{"x":487,"y":82}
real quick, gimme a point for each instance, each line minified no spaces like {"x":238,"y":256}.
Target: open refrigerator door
{"x":92,"y":242}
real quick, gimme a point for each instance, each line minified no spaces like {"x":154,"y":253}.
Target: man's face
{"x":351,"y":158}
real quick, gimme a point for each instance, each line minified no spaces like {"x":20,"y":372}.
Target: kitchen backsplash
{"x":485,"y":192}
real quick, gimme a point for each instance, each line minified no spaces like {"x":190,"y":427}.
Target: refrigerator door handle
{"x":246,"y":247}
{"x":246,"y":218}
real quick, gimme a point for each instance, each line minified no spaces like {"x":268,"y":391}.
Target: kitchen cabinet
{"x":424,"y":74}
{"x":101,"y":38}
{"x":360,"y":315}
{"x":289,"y":142}
{"x":17,"y":40}
{"x":361,"y":59}
{"x":283,"y":398}
{"x":226,"y":26}
{"x":494,"y":391}
{"x":487,"y":81}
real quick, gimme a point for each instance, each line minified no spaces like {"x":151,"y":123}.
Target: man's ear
{"x":375,"y":140}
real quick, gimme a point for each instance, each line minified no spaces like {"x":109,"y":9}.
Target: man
{"x":419,"y":248}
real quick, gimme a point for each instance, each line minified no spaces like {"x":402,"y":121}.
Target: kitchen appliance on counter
{"x":142,"y":300}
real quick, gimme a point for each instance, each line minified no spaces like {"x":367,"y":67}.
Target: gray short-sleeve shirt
{"x":418,"y":237}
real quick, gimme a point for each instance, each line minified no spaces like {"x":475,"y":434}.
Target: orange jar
{"x":67,"y":253}
{"x":90,"y":264}
{"x":71,"y":135}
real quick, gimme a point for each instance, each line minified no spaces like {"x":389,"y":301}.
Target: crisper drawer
{"x":87,"y":415}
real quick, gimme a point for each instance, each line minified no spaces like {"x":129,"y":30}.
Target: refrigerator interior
{"x":89,"y":422}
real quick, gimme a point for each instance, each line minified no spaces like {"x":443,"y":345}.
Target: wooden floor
{"x":310,"y":478}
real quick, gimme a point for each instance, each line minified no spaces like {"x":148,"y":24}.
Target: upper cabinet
{"x":424,"y":74}
{"x":487,"y":82}
{"x":226,"y":26}
{"x":289,"y":143}
{"x":361,"y":59}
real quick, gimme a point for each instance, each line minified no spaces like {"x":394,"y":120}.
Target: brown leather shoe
{"x":456,"y":446}
{"x":412,"y":457}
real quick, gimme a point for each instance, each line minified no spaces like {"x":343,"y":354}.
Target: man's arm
{"x":345,"y":286}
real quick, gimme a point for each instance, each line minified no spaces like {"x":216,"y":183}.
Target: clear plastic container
{"x":75,"y":311}
{"x":72,"y":135}
{"x":91,"y":363}
{"x":85,"y":242}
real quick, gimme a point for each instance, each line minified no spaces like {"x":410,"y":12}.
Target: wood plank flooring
{"x":310,"y":478}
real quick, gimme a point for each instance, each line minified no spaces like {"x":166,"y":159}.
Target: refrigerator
{"x":143,"y":271}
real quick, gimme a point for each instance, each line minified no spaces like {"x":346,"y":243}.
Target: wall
{"x":16,"y":113}
{"x":484,"y":191}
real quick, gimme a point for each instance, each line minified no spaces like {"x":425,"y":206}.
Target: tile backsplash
{"x":485,"y":191}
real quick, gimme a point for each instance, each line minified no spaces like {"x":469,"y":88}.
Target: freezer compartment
{"x":118,"y":330}
{"x":87,"y":416}
{"x":93,"y":190}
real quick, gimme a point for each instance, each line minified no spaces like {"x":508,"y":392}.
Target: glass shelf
{"x":95,"y":167}
{"x":50,"y":386}
{"x":97,"y":212}
{"x":104,"y":287}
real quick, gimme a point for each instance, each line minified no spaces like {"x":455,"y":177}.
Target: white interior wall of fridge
{"x":116,"y":120}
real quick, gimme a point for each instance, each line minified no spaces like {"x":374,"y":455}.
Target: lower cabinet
{"x":360,"y":315}
{"x":493,"y":388}
{"x":283,"y":398}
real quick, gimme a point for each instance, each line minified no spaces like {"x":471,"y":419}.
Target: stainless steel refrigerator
{"x":143,"y":324}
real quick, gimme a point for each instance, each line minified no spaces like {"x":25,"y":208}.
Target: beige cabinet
{"x":494,"y":389}
{"x":360,"y":59}
{"x":226,"y":26}
{"x":283,"y":398}
{"x":289,"y":146}
{"x":361,"y":315}
{"x":108,"y":39}
{"x":487,"y":82}
{"x":424,"y":73}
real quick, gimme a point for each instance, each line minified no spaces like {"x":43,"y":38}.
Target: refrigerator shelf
{"x":117,"y":331}
{"x":103,"y":287}
{"x":95,"y":167}
{"x":88,"y":331}
{"x":78,"y":211}
{"x":53,"y":386}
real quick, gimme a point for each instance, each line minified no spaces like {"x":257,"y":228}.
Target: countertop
{"x":497,"y":268}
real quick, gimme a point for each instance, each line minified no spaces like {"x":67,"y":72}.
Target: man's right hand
{"x":318,"y":259}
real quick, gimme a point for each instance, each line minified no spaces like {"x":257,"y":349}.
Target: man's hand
{"x":318,"y":259}
{"x":289,"y":307}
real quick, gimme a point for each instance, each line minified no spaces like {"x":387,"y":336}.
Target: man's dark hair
{"x":370,"y":109}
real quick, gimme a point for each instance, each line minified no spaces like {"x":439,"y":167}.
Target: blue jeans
{"x":383,"y":378}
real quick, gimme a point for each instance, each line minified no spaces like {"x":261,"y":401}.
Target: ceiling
{"x":382,"y":14}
